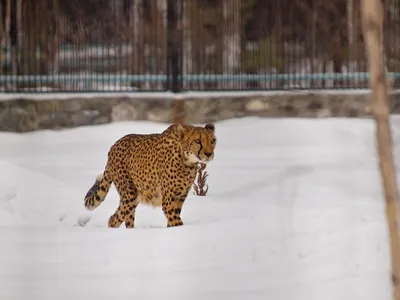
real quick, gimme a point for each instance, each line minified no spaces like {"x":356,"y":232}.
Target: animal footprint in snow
{"x":61,"y":217}
{"x":82,"y":221}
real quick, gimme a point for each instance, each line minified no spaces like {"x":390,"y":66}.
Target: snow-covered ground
{"x":294,"y":212}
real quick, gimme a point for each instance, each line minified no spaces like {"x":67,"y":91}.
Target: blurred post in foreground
{"x":372,"y":22}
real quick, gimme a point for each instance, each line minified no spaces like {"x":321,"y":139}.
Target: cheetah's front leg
{"x":172,"y":213}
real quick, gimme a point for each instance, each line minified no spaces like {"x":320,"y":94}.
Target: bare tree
{"x":137,"y":36}
{"x":187,"y":28}
{"x":372,"y":22}
{"x":8,"y":17}
{"x":5,"y":33}
{"x":14,"y":35}
{"x":1,"y":36}
{"x":231,"y":37}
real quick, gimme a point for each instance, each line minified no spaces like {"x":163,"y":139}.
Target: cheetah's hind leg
{"x":127,"y":207}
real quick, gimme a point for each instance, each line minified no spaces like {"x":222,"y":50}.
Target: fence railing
{"x":181,"y":45}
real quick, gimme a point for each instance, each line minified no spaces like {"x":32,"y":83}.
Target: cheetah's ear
{"x":210,"y":126}
{"x":180,"y":129}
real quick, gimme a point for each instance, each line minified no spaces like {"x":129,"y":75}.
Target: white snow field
{"x":294,"y":212}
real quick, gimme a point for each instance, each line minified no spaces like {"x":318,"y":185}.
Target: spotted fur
{"x":155,"y":169}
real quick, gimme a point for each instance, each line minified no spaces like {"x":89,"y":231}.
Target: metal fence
{"x":182,"y":45}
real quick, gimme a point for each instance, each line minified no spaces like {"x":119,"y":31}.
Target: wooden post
{"x":372,"y":22}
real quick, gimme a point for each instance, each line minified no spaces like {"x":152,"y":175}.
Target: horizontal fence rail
{"x":182,"y":45}
{"x":189,"y":78}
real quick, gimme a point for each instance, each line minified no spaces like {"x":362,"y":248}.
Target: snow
{"x":294,"y":211}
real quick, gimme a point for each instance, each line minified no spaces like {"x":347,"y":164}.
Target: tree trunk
{"x":8,"y":18}
{"x":350,"y":38}
{"x":136,"y":25}
{"x":20,"y":35}
{"x":350,"y":24}
{"x":174,"y":45}
{"x":1,"y":38}
{"x":337,"y":57}
{"x":372,"y":20}
{"x":137,"y":46}
{"x":28,"y":33}
{"x":314,"y":59}
{"x":50,"y":36}
{"x":187,"y":63}
{"x":14,"y":38}
{"x":231,"y":38}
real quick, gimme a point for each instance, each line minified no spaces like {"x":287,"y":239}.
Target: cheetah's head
{"x":198,"y":143}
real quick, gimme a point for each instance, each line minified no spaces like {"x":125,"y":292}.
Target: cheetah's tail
{"x":98,"y":192}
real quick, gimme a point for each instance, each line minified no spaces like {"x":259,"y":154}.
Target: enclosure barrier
{"x":182,"y":45}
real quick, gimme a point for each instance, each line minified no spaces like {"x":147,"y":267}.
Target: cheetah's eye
{"x":213,"y":141}
{"x":197,"y":141}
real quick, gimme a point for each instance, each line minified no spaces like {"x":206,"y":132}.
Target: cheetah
{"x":156,"y":169}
